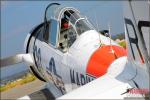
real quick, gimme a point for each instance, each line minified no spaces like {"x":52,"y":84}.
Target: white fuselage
{"x":67,"y":70}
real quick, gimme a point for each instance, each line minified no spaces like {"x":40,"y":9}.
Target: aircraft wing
{"x":104,"y":87}
{"x":27,"y":58}
{"x":43,"y":94}
{"x":116,"y":84}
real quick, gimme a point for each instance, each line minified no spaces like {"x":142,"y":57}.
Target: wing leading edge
{"x":19,"y":58}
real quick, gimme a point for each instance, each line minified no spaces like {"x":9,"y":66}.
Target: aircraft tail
{"x":137,"y":30}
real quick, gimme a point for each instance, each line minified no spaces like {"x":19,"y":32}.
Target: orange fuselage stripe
{"x":102,"y":58}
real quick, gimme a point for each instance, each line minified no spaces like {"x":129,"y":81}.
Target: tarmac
{"x":34,"y":90}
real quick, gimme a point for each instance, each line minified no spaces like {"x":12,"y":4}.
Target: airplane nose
{"x":102,"y":58}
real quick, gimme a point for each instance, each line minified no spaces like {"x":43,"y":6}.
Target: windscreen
{"x":80,"y":23}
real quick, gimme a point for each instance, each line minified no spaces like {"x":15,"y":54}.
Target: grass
{"x":123,"y":44}
{"x":25,"y":79}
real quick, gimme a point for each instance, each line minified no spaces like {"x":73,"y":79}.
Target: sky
{"x":19,"y":17}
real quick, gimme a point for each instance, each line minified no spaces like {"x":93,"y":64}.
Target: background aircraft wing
{"x":27,"y":58}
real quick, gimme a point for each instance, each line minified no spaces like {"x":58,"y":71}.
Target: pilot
{"x":68,"y":32}
{"x":64,"y":23}
{"x":63,"y":35}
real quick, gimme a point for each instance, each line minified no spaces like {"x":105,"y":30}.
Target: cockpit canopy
{"x":65,"y":25}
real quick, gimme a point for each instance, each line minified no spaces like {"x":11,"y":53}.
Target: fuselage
{"x":76,"y":67}
{"x":67,"y":50}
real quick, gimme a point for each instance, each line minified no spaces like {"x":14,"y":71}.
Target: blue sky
{"x":19,"y":17}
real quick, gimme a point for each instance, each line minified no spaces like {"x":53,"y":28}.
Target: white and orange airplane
{"x":80,"y":63}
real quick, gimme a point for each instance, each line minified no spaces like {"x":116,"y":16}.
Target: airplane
{"x":68,"y":53}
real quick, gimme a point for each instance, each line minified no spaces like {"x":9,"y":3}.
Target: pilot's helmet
{"x":65,"y":23}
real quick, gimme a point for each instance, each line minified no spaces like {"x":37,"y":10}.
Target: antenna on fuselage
{"x":97,"y":27}
{"x":109,"y":33}
{"x":96,"y":21}
{"x":110,"y":37}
